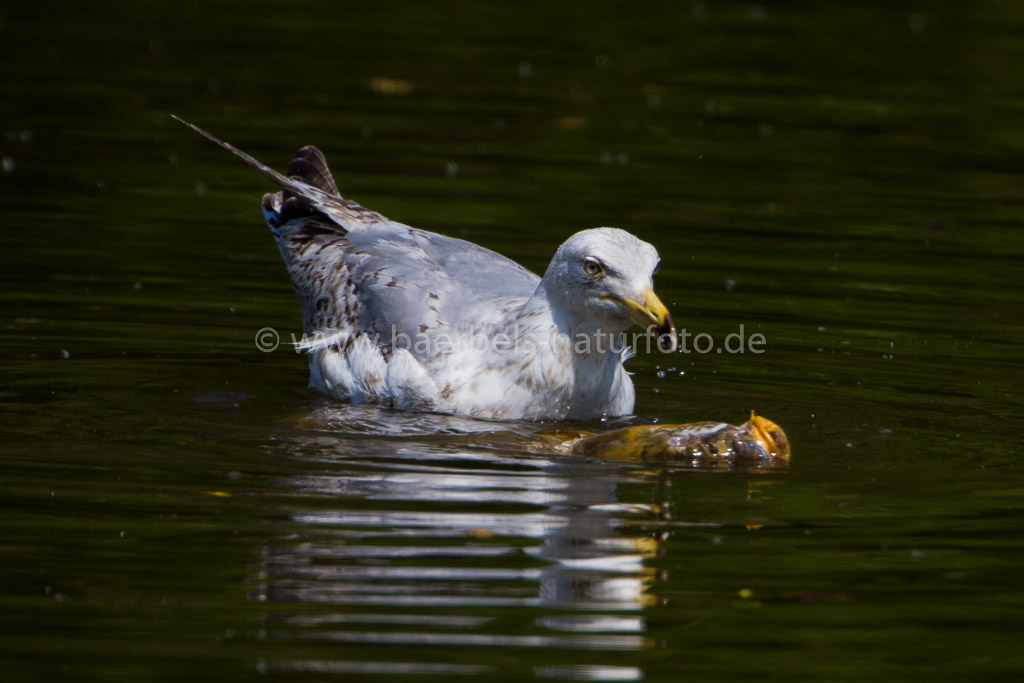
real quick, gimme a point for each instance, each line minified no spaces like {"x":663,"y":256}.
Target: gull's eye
{"x":592,"y":267}
{"x":656,"y":267}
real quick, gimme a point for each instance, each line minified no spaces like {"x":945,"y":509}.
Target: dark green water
{"x":845,"y":180}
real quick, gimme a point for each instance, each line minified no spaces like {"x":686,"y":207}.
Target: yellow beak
{"x":651,"y":314}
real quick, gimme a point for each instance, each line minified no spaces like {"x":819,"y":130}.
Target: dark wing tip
{"x":310,"y":166}
{"x":294,"y":206}
{"x":306,"y":194}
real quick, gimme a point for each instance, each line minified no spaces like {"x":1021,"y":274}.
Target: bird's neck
{"x":576,"y":368}
{"x":550,"y":316}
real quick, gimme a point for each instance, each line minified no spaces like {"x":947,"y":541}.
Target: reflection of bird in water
{"x":409,"y":318}
{"x":414,"y":531}
{"x":413,"y":545}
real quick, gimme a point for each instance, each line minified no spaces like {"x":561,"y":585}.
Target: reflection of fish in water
{"x":758,"y":440}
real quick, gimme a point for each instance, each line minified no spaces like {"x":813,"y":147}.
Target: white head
{"x":604,"y":280}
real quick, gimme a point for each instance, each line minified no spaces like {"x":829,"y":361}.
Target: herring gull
{"x":416,"y":320}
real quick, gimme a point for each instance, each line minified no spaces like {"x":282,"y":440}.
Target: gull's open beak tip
{"x":666,"y":334}
{"x":661,"y":322}
{"x":653,"y":316}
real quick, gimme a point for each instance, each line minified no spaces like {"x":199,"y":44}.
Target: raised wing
{"x":355,"y":271}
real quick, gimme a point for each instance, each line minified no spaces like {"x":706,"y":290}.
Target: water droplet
{"x":661,"y":374}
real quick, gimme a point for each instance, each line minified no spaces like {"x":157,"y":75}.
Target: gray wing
{"x":356,"y":271}
{"x":420,"y":283}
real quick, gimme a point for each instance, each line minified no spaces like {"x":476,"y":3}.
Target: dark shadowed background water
{"x":846,"y":180}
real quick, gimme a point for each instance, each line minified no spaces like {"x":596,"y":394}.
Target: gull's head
{"x":605,"y":279}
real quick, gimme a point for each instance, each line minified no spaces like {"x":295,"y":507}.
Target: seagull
{"x":419,"y":321}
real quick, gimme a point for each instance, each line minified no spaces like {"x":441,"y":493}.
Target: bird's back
{"x":363,"y":280}
{"x":355,"y":271}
